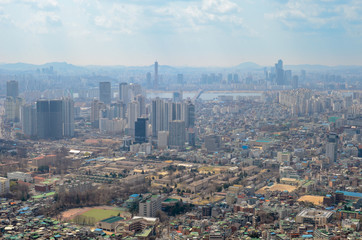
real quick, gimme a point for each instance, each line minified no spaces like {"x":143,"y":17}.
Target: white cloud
{"x":311,"y":15}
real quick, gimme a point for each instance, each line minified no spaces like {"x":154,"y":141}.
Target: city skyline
{"x":181,"y":33}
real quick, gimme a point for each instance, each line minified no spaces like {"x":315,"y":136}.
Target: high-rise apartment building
{"x":132,"y":115}
{"x":105,"y":94}
{"x":331,"y":147}
{"x":123,"y":93}
{"x":28,"y":120}
{"x":68,"y":117}
{"x":55,"y":118}
{"x":177,"y":134}
{"x":49,"y":119}
{"x":12,"y":108}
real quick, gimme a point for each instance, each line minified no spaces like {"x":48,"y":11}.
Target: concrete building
{"x":213,"y":143}
{"x":28,"y":120}
{"x":149,"y":206}
{"x":162,"y":139}
{"x":25,"y":177}
{"x":12,"y":108}
{"x":141,"y":130}
{"x":313,"y":216}
{"x":177,"y":134}
{"x":4,"y":185}
{"x":12,"y":89}
{"x":105,"y":92}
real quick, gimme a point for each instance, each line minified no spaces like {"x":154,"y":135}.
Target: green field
{"x":95,"y":215}
{"x":100,"y":214}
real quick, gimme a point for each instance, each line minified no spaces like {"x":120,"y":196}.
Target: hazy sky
{"x":183,"y":33}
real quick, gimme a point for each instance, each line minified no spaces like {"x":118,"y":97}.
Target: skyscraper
{"x":49,"y":119}
{"x":68,"y":117}
{"x":28,"y":120}
{"x":105,"y":92}
{"x":12,"y":89}
{"x":177,"y":134}
{"x":279,"y":73}
{"x":95,"y":110}
{"x":123,"y":93}
{"x":55,"y":118}
{"x":295,"y":82}
{"x":155,"y":84}
{"x":189,"y":115}
{"x":12,"y":108}
{"x":132,"y":115}
{"x":159,"y":116}
{"x":141,"y":130}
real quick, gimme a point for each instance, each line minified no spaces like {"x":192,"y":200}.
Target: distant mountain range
{"x":66,"y":68}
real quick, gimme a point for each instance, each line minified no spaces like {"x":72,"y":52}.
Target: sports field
{"x":93,"y":214}
{"x":100,"y":214}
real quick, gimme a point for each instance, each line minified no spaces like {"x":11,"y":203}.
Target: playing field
{"x":100,"y":214}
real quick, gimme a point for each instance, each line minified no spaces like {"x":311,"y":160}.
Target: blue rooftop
{"x":350,"y":194}
{"x":134,"y":195}
{"x":307,"y":236}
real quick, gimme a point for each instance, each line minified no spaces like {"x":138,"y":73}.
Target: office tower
{"x":279,"y":73}
{"x":132,"y":115}
{"x":123,"y":93}
{"x":177,"y":134}
{"x":28,"y":120}
{"x":213,"y":143}
{"x":12,"y":108}
{"x":68,"y":117}
{"x":148,"y":79}
{"x":162,"y":140}
{"x":12,"y":89}
{"x":105,"y":92}
{"x":331,"y":147}
{"x":155,"y":84}
{"x":49,"y":119}
{"x":295,"y":82}
{"x":141,"y":130}
{"x":180,"y":78}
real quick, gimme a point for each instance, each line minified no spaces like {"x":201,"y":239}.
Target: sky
{"x":181,"y":32}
